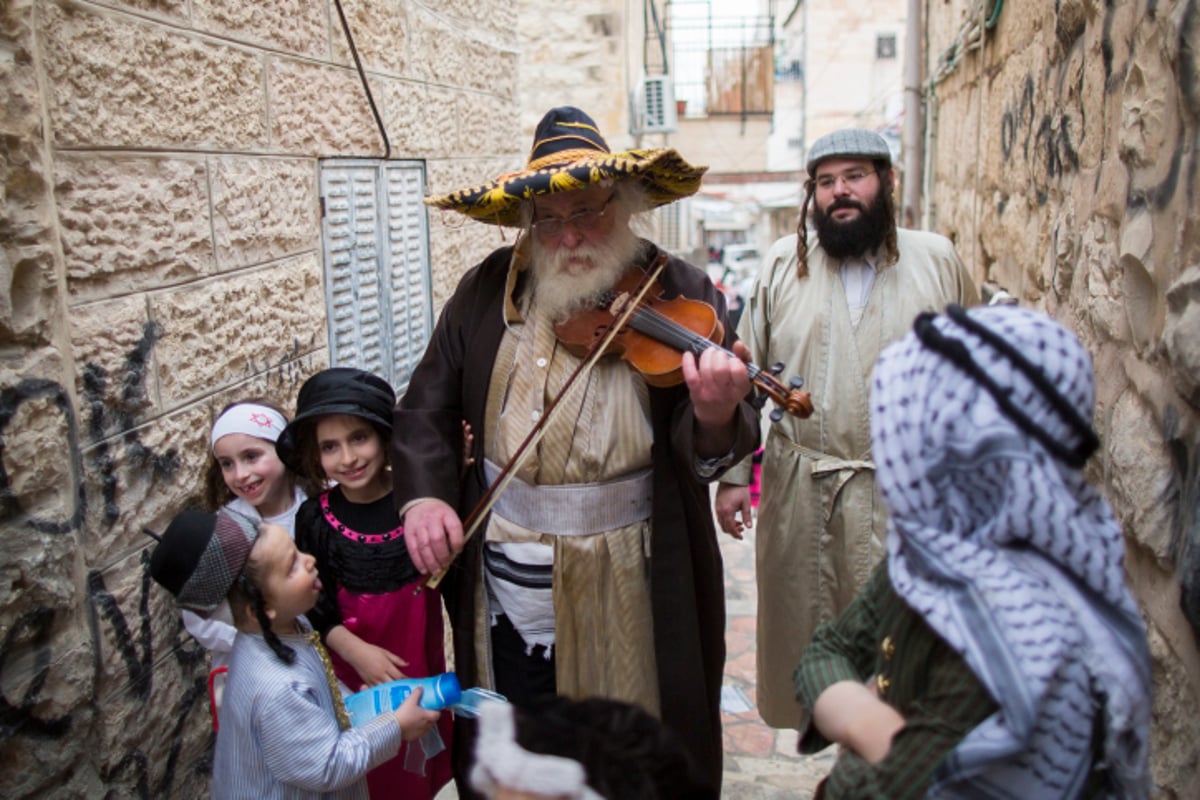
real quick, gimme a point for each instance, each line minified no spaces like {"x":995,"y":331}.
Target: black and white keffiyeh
{"x":1007,"y":552}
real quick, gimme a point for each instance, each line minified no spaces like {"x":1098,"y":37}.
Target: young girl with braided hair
{"x":284,"y":729}
{"x":377,"y":626}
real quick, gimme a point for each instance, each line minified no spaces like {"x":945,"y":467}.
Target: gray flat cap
{"x":848,"y":143}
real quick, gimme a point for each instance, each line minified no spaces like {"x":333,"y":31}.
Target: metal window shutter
{"x":350,"y":227}
{"x":409,"y":274}
{"x":376,"y":250}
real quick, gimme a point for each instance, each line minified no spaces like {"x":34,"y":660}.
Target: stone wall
{"x":583,"y":53}
{"x":160,"y":256}
{"x":1066,"y":167}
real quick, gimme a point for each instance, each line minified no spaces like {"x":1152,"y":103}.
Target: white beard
{"x":566,"y":280}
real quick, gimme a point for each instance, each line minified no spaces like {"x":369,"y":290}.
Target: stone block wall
{"x":160,"y":256}
{"x":1066,"y":167}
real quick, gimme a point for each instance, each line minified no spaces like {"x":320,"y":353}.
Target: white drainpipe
{"x":913,"y":141}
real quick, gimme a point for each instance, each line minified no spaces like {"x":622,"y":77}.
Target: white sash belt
{"x":825,"y":465}
{"x":574,"y":509}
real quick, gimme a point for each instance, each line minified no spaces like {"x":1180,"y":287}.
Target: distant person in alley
{"x":998,"y":651}
{"x":825,"y":310}
{"x":597,"y":572}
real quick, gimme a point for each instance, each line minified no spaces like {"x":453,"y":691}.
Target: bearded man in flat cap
{"x":826,"y":312}
{"x":597,"y":572}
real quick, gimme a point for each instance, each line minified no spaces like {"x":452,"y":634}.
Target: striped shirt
{"x":278,"y":736}
{"x":914,"y":670}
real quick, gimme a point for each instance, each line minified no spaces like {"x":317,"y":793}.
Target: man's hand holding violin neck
{"x":717,"y":384}
{"x":433,"y":534}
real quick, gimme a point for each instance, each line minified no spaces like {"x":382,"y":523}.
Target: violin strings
{"x":668,"y":331}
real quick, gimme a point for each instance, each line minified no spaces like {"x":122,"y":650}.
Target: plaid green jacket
{"x":879,"y":637}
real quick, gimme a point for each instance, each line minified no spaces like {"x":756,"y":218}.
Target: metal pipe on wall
{"x":804,"y":80}
{"x":912,"y":135}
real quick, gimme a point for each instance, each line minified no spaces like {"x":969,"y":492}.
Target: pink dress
{"x":368,"y":585}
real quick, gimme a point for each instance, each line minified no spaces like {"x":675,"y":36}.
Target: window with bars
{"x":375,"y":242}
{"x":885,"y":46}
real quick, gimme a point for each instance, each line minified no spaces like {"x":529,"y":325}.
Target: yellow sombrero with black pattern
{"x":569,"y":153}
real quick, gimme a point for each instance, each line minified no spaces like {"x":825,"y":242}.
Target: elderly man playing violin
{"x":596,"y":572}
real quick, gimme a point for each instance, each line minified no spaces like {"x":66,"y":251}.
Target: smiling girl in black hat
{"x":377,"y":627}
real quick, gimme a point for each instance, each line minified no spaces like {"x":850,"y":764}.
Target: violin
{"x":659,"y":331}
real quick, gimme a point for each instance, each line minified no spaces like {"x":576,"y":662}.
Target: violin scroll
{"x":788,"y":399}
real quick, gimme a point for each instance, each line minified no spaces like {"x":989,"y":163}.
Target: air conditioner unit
{"x":654,"y":106}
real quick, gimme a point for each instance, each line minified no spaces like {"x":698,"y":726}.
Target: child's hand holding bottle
{"x":415,"y":721}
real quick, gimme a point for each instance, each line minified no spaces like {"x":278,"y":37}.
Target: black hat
{"x":200,"y":555}
{"x":337,"y":390}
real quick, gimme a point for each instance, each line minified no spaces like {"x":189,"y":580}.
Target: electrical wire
{"x":387,"y":145}
{"x":970,"y":37}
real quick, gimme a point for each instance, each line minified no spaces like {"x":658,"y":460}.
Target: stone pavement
{"x":761,"y":763}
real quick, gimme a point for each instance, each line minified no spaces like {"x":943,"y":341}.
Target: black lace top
{"x":359,"y":547}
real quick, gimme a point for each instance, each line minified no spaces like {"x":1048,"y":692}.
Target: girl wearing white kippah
{"x":244,"y":474}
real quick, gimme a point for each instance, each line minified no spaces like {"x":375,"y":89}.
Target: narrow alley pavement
{"x":761,"y":763}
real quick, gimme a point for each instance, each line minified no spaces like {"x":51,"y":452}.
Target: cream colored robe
{"x":820,"y":526}
{"x":604,"y":630}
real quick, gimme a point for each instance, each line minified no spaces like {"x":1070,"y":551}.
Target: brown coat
{"x":687,"y":582}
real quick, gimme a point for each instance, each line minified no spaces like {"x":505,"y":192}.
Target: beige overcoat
{"x":820,"y":526}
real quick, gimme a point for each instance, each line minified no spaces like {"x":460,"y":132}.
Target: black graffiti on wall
{"x":1045,"y":140}
{"x":19,"y":718}
{"x":11,"y":400}
{"x":1158,"y":194}
{"x":285,"y":374}
{"x":134,"y":766}
{"x":1045,"y":125}
{"x":130,"y":398}
{"x":131,"y":772}
{"x":103,"y":416}
{"x":135,"y":652}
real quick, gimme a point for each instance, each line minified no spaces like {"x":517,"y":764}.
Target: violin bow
{"x":492,"y":495}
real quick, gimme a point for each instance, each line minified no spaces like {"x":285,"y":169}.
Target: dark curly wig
{"x":626,"y":752}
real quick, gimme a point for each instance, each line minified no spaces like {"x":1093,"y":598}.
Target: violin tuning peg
{"x":796,"y":382}
{"x":776,"y":368}
{"x":776,"y":414}
{"x":758,"y":401}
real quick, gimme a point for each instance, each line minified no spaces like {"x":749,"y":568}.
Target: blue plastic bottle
{"x":438,"y":692}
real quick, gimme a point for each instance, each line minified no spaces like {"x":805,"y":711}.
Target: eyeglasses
{"x":553,"y":227}
{"x":852,"y":178}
